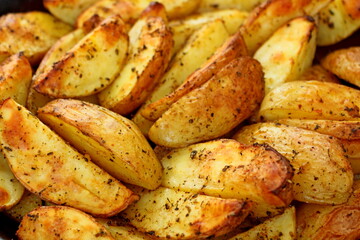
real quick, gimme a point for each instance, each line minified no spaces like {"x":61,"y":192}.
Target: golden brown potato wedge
{"x":318,"y":160}
{"x":270,"y":15}
{"x":288,"y":52}
{"x":11,"y":190}
{"x":28,"y":202}
{"x":123,"y":232}
{"x":32,"y":33}
{"x":192,"y":56}
{"x":60,"y":222}
{"x":318,"y":100}
{"x":229,"y":169}
{"x":344,"y":63}
{"x":318,"y":73}
{"x":176,"y":214}
{"x":57,"y":172}
{"x":233,"y":48}
{"x":88,"y":67}
{"x":182,"y":29}
{"x":149,"y":55}
{"x":281,"y":227}
{"x":337,"y":21}
{"x":212,"y":110}
{"x":213,"y":5}
{"x":112,"y":141}
{"x":67,"y":10}
{"x":15,"y":78}
{"x":355,"y":165}
{"x":348,"y":130}
{"x":330,"y":222}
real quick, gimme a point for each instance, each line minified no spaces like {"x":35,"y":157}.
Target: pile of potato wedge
{"x":181,"y":119}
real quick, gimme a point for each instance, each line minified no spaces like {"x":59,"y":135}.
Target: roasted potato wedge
{"x":32,"y":33}
{"x":28,"y":202}
{"x":188,"y":59}
{"x":60,"y":222}
{"x":281,"y":227}
{"x":11,"y":190}
{"x":344,"y":63}
{"x":318,"y":73}
{"x":88,"y":67}
{"x":175,"y":214}
{"x":57,"y":172}
{"x":149,"y":55}
{"x":229,"y":169}
{"x":15,"y":78}
{"x":233,"y":48}
{"x":330,"y":222}
{"x":288,"y":52}
{"x":67,"y":10}
{"x":112,"y":141}
{"x":123,"y":232}
{"x":270,"y":15}
{"x":215,"y":108}
{"x":182,"y":29}
{"x":311,"y":100}
{"x":337,"y":21}
{"x":318,"y":160}
{"x":213,"y":5}
{"x":348,"y":130}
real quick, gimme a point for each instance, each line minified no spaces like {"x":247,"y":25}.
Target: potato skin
{"x":344,"y":63}
{"x":213,"y":109}
{"x":60,"y":222}
{"x":318,"y":160}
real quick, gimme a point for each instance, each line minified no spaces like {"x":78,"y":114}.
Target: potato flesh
{"x":213,"y":109}
{"x":322,"y":172}
{"x":89,"y":66}
{"x":176,"y":214}
{"x":212,"y":35}
{"x":28,"y":202}
{"x":60,"y":175}
{"x":288,"y":52}
{"x":112,"y":141}
{"x":311,"y":100}
{"x":60,"y":222}
{"x":122,"y":232}
{"x":213,"y":5}
{"x":229,"y":169}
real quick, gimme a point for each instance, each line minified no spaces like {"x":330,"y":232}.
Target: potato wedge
{"x":182,"y":29}
{"x":318,"y":73}
{"x":270,"y":15}
{"x":15,"y":78}
{"x":281,"y":227}
{"x":67,"y":10}
{"x":213,"y":109}
{"x":88,"y":67}
{"x":288,"y":52}
{"x":28,"y":202}
{"x":330,"y":222}
{"x":318,"y":160}
{"x":229,"y":169}
{"x":60,"y":222}
{"x":344,"y":63}
{"x":311,"y":100}
{"x":149,"y":55}
{"x":58,"y":174}
{"x":348,"y":130}
{"x":337,"y":21}
{"x":123,"y":232}
{"x":233,"y":48}
{"x":192,"y":56}
{"x":213,"y":5}
{"x":11,"y":190}
{"x":176,"y":214}
{"x":32,"y":33}
{"x":112,"y":141}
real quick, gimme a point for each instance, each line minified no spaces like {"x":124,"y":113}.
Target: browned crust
{"x":352,"y":7}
